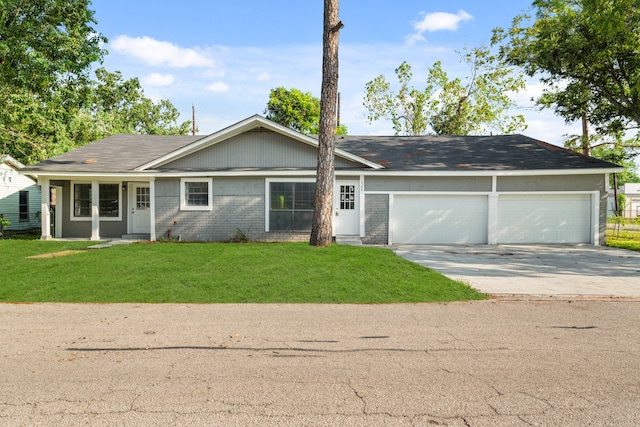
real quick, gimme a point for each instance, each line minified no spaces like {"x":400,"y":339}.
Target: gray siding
{"x":238,"y":206}
{"x":376,"y":224}
{"x":551,"y":183}
{"x":82,"y":229}
{"x":432,"y":183}
{"x":254,"y":149}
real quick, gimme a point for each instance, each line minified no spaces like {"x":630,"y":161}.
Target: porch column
{"x":45,"y":207}
{"x":152,"y":210}
{"x":95,"y":211}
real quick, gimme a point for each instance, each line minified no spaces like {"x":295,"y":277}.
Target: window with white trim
{"x":291,"y":205}
{"x":82,"y":200}
{"x":109,"y":201}
{"x":196,"y":194}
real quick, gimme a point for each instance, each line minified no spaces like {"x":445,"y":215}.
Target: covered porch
{"x":97,"y":208}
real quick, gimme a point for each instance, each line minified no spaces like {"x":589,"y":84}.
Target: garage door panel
{"x":421,"y":219}
{"x":544,"y":218}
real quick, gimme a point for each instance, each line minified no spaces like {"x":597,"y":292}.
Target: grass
{"x":624,"y":239}
{"x":219,"y":273}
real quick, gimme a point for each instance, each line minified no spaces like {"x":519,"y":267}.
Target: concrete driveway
{"x":558,"y":270}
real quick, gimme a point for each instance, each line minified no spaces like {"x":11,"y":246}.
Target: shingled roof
{"x":117,"y":153}
{"x":450,"y":153}
{"x":125,"y":153}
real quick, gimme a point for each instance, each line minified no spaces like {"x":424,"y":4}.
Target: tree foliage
{"x":47,"y":43}
{"x":296,"y":110}
{"x":49,"y":102}
{"x":120,"y":106}
{"x":586,"y":51}
{"x":476,"y":104}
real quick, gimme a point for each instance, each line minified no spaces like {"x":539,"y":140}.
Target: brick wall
{"x":230,"y":216}
{"x":376,"y":219}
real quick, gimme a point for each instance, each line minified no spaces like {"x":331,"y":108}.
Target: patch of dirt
{"x":55,"y":254}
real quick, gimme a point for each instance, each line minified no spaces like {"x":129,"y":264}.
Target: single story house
{"x":19,"y":196}
{"x":258,"y":178}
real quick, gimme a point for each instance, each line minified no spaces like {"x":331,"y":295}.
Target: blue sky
{"x":225,"y":56}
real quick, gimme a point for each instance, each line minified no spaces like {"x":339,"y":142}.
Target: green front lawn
{"x":218,"y":273}
{"x":624,"y":239}
{"x":630,"y":244}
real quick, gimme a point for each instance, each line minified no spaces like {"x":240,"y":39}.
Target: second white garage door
{"x":442,"y":219}
{"x":544,"y":218}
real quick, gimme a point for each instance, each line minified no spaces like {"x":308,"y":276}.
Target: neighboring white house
{"x":20,"y":196}
{"x":632,"y":202}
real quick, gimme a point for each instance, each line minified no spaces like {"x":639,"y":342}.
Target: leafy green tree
{"x":46,"y":50}
{"x":294,"y":109}
{"x":32,"y":130}
{"x":120,"y":106}
{"x":47,"y":43}
{"x":476,"y":104}
{"x":586,"y":51}
{"x":619,"y":154}
{"x":49,"y":104}
{"x":297,"y":110}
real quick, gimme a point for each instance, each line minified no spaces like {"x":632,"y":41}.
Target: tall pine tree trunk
{"x":323,"y":209}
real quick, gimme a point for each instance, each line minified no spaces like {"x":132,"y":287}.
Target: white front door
{"x":346,"y":208}
{"x":140,"y":204}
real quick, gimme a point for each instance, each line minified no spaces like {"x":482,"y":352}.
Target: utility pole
{"x":193,"y":120}
{"x":338,"y":119}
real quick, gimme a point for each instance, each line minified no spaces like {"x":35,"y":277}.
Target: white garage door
{"x":544,"y":218}
{"x":419,"y":219}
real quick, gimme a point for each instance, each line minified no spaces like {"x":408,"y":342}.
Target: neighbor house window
{"x":108,"y":203}
{"x":291,"y":205}
{"x":23,"y":205}
{"x":196,"y":194}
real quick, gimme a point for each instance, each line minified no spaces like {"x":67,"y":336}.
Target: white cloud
{"x":157,"y":79}
{"x":217,"y":87}
{"x":160,"y":53}
{"x":437,"y":21}
{"x":263,"y":77}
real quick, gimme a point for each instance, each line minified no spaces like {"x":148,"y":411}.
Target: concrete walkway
{"x":557,"y":270}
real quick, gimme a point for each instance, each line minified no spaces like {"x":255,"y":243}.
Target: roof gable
{"x":252,"y":123}
{"x":259,"y":148}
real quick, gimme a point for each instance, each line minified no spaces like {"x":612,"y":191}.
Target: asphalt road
{"x":490,"y":363}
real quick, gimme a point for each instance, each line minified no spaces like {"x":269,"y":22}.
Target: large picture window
{"x":108,"y":203}
{"x":195,"y":194}
{"x":291,"y":206}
